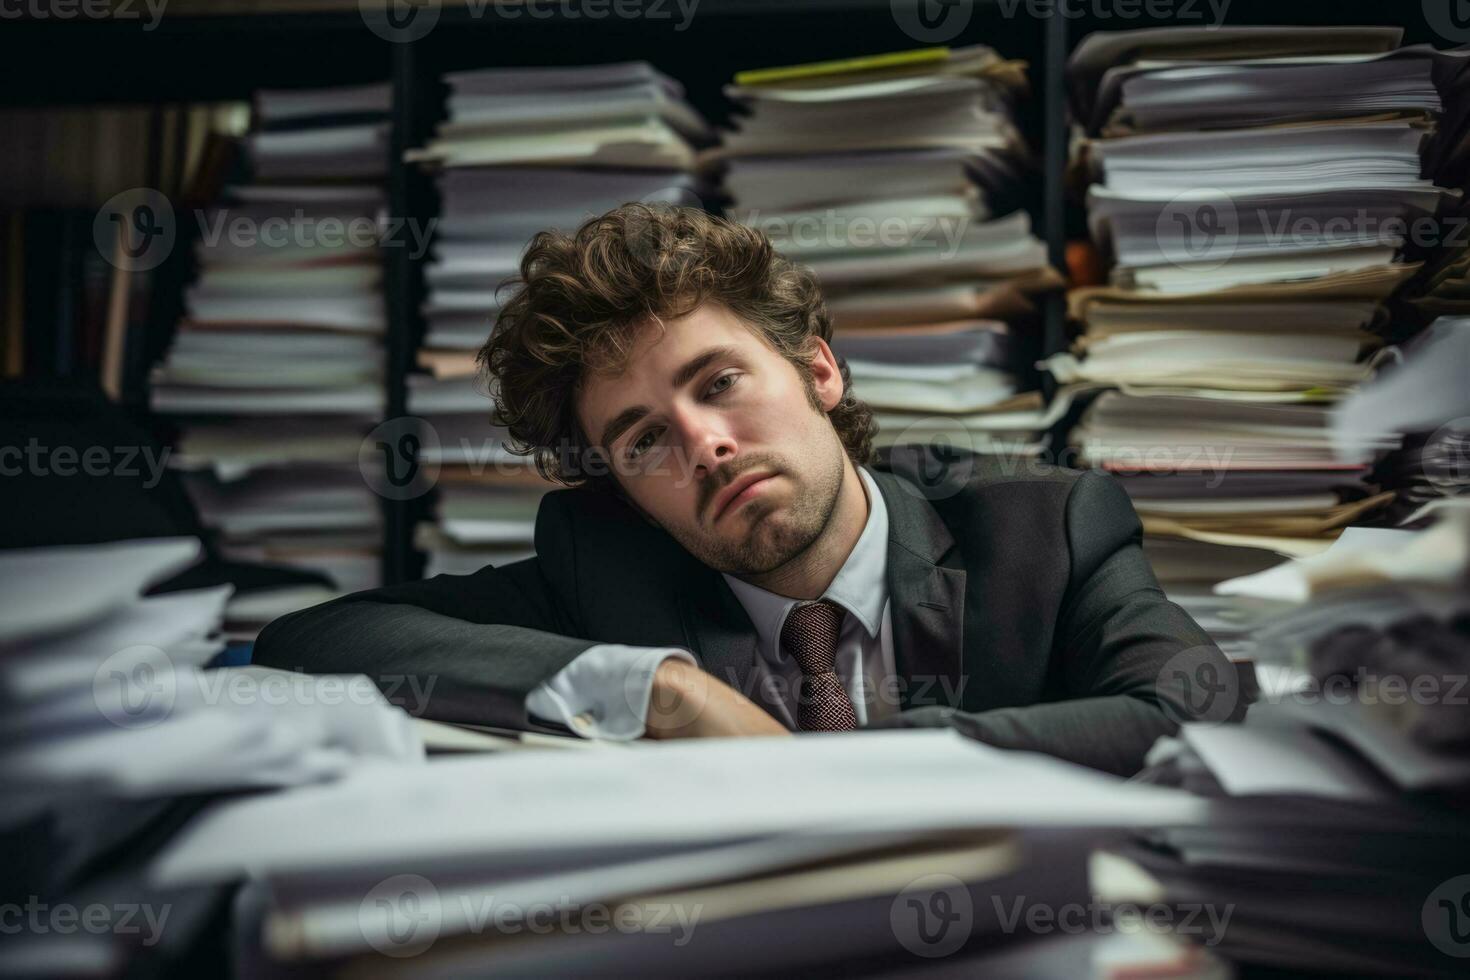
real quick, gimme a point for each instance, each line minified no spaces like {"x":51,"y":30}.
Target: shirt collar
{"x":860,"y":586}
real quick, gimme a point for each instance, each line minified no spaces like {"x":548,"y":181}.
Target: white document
{"x":177,"y":623}
{"x":59,"y":589}
{"x":1361,"y":555}
{"x":700,"y":791}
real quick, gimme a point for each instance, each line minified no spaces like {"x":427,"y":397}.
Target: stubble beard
{"x":770,"y":541}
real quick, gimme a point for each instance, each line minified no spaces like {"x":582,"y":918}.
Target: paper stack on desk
{"x":899,"y":180}
{"x":106,"y":699}
{"x":809,"y":843}
{"x":114,"y":731}
{"x":1339,"y":834}
{"x":276,"y":372}
{"x":1261,"y":196}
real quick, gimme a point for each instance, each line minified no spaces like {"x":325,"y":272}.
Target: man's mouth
{"x":745,"y":488}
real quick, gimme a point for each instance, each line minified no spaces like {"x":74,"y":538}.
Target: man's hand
{"x":686,"y":702}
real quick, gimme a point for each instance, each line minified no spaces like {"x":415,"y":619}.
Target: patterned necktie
{"x":810,"y":636}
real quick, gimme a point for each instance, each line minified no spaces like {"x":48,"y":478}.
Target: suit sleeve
{"x":458,"y":648}
{"x":1131,"y":663}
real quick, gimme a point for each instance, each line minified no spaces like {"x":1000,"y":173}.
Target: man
{"x":733,"y":561}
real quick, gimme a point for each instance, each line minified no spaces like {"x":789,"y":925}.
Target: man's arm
{"x":1132,"y":662}
{"x":459,"y":648}
{"x":499,"y":648}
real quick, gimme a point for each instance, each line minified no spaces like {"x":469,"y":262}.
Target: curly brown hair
{"x":582,"y":299}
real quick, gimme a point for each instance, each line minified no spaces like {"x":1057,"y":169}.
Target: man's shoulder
{"x":942,"y":473}
{"x":981,"y":497}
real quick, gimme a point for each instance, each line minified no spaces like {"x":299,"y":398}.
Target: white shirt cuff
{"x":604,"y":693}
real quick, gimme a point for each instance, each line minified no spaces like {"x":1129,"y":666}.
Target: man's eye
{"x":644,"y":444}
{"x":723,"y":383}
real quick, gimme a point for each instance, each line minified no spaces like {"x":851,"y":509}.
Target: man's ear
{"x":826,"y":374}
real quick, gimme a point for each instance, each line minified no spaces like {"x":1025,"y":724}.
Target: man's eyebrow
{"x":629,"y":416}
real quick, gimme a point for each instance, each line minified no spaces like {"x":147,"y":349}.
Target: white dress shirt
{"x":604,"y":693}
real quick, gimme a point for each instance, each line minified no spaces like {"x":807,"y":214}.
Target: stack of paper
{"x":277,"y":370}
{"x":321,"y":517}
{"x":521,"y":151}
{"x":322,"y":134}
{"x":524,"y":150}
{"x":105,"y":698}
{"x":1334,"y":834}
{"x":744,"y":886}
{"x":486,"y":497}
{"x":1259,"y":195}
{"x":897,"y":180}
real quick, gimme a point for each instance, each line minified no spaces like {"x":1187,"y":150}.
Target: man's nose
{"x":708,"y":441}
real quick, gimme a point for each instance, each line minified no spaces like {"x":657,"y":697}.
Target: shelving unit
{"x":201,"y":57}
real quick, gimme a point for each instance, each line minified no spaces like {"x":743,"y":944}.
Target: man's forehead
{"x":658,"y":348}
{"x":652,"y":360}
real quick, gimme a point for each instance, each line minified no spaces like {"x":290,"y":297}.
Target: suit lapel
{"x":721,"y":635}
{"x":926,"y":591}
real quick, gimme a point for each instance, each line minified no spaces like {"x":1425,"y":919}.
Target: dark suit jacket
{"x":1024,"y":613}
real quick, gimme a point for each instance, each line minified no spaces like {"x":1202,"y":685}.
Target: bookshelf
{"x":195,"y":55}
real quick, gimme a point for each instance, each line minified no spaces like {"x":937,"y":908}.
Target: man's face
{"x":720,"y":440}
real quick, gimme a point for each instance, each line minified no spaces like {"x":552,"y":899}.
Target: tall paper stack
{"x":1261,"y":194}
{"x":277,"y":370}
{"x":523,"y":150}
{"x":897,"y":180}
